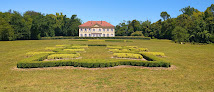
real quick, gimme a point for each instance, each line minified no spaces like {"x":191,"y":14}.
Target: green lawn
{"x":194,"y":69}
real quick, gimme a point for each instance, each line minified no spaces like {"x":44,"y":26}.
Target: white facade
{"x":96,"y":31}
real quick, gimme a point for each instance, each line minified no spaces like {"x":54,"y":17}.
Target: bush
{"x":74,"y":50}
{"x":127,"y":55}
{"x":143,"y":49}
{"x":35,"y":53}
{"x":90,"y":63}
{"x":97,"y":45}
{"x":154,"y":53}
{"x":63,"y":56}
{"x":137,"y":33}
{"x":116,"y":37}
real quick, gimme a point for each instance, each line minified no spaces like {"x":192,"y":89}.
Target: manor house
{"x":96,"y":29}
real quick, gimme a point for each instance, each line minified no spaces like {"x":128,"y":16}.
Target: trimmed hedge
{"x":97,"y":45}
{"x":116,"y":37}
{"x":127,"y":55}
{"x":154,"y":53}
{"x":91,"y":63}
{"x":63,"y":56}
{"x":74,"y":50}
{"x":35,"y":53}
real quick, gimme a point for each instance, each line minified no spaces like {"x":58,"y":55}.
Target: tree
{"x":164,"y":15}
{"x":188,"y":10}
{"x":180,"y":34}
{"x":6,"y":31}
{"x":137,"y":33}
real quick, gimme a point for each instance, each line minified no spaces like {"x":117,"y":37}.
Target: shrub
{"x":96,"y":40}
{"x":76,"y":46}
{"x":120,"y":51}
{"x":154,"y":53}
{"x":116,"y":37}
{"x":90,"y":63}
{"x":115,"y":40}
{"x":53,"y":48}
{"x":137,"y":33}
{"x":127,"y":55}
{"x":97,"y":45}
{"x":35,"y":53}
{"x":63,"y":56}
{"x":74,"y":50}
{"x":143,"y":49}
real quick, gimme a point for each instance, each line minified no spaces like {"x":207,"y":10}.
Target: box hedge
{"x":116,"y":37}
{"x":36,"y":61}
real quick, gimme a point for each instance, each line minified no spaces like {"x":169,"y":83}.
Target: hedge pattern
{"x":90,"y":63}
{"x":59,"y":53}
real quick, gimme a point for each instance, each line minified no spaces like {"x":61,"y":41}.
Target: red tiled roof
{"x":100,"y":23}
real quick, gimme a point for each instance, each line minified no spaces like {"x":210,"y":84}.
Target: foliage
{"x":180,"y":34}
{"x":164,"y":15}
{"x":35,"y":53}
{"x":127,"y":55}
{"x":137,"y":33}
{"x":154,"y":53}
{"x":34,"y":25}
{"x":74,"y":50}
{"x":63,"y":56}
{"x":191,"y":26}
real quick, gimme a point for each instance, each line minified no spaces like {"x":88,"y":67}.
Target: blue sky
{"x":113,"y":11}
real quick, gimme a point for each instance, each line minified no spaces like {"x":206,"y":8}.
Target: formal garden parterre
{"x":71,"y":55}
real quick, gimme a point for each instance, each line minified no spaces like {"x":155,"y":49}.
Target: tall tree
{"x":188,"y":10}
{"x":6,"y":31}
{"x":164,"y":15}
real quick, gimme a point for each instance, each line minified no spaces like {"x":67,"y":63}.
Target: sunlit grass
{"x":194,"y":69}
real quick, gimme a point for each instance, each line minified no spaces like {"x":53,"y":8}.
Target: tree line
{"x":34,"y":25}
{"x":191,"y":26}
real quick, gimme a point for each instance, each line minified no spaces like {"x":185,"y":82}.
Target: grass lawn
{"x":194,"y":69}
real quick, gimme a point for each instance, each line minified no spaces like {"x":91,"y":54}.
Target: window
{"x":107,"y":35}
{"x":99,"y":29}
{"x":85,"y":29}
{"x":111,"y":34}
{"x":93,"y":29}
{"x":85,"y":35}
{"x":80,"y":29}
{"x":103,"y":30}
{"x":89,"y":29}
{"x":103,"y":35}
{"x":99,"y":35}
{"x":80,"y":35}
{"x":111,"y":29}
{"x":89,"y":35}
{"x":107,"y":29}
